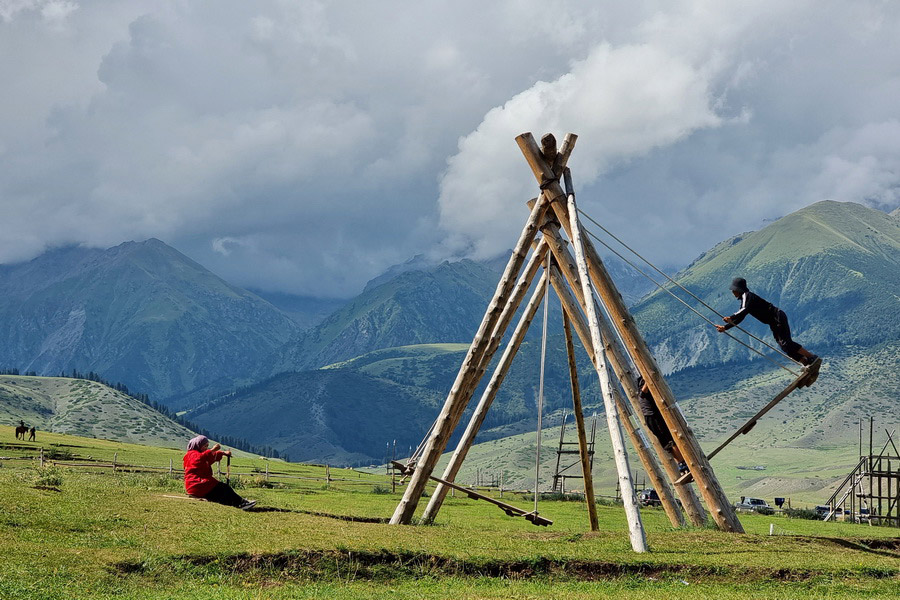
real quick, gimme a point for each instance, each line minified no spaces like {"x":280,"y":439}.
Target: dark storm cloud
{"x":304,"y":147}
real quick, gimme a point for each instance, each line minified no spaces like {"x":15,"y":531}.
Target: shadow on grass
{"x":351,"y":518}
{"x":883,"y":547}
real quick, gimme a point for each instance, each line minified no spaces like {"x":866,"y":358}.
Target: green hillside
{"x":833,"y":267}
{"x":349,"y":411}
{"x":440,"y":304}
{"x":85,"y":408}
{"x":339,"y":416}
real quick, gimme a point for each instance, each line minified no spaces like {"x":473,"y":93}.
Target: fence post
{"x":327,"y":477}
{"x":42,"y":457}
{"x":501,"y":484}
{"x":115,"y":460}
{"x":170,"y":469}
{"x":267,"y":471}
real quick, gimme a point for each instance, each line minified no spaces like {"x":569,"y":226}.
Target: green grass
{"x":104,"y":535}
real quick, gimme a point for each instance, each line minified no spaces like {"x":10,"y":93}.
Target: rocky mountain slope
{"x":140,"y":313}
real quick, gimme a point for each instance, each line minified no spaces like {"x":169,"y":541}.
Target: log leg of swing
{"x":565,"y":267}
{"x":506,"y":316}
{"x":586,"y":475}
{"x":404,"y":512}
{"x":638,"y":440}
{"x":629,"y":498}
{"x":456,"y":400}
{"x":721,"y":510}
{"x":487,"y":398}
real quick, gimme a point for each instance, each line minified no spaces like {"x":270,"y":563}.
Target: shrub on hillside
{"x":47,"y":477}
{"x":57,"y":453}
{"x":259,"y":481}
{"x":802,"y":513}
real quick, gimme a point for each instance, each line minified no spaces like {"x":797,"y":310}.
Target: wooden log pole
{"x":456,"y":401}
{"x":722,"y":512}
{"x":583,"y":452}
{"x":487,"y":397}
{"x":503,"y":322}
{"x":629,"y":498}
{"x":565,"y":264}
{"x":641,"y":445}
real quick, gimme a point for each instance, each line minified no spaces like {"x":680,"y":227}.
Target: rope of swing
{"x":540,"y":415}
{"x":689,"y":307}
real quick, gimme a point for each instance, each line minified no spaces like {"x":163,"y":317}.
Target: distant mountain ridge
{"x":439,"y":304}
{"x":141,"y":313}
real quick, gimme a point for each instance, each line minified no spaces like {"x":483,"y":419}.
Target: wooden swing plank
{"x":509,"y":509}
{"x":806,"y":379}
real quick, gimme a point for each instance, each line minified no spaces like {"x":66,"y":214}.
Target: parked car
{"x":649,"y":497}
{"x":755,"y":505}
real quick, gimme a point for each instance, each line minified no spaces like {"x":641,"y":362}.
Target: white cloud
{"x":306,"y":146}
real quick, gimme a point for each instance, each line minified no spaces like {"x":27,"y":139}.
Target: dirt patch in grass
{"x":385,"y":565}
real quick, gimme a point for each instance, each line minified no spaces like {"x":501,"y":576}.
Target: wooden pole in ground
{"x":566,"y":266}
{"x":629,"y":499}
{"x":721,"y":510}
{"x":456,"y":400}
{"x":586,"y":474}
{"x":487,"y":398}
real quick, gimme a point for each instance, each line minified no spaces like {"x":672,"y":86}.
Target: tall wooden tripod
{"x":586,"y":292}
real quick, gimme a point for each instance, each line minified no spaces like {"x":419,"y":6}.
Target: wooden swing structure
{"x":594,"y":309}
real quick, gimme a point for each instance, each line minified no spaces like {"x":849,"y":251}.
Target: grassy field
{"x":91,"y":533}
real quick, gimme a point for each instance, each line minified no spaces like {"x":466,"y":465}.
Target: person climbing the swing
{"x":769,"y":314}
{"x":657,"y":425}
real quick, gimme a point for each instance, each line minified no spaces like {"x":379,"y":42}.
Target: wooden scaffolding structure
{"x":871,"y":492}
{"x":595,"y":310}
{"x":561,"y":472}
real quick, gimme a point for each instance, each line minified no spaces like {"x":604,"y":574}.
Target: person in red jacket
{"x":198,"y":478}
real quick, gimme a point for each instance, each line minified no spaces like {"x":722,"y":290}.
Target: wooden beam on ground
{"x":583,"y":453}
{"x":721,"y":510}
{"x":456,"y":400}
{"x":509,"y":509}
{"x":487,"y":397}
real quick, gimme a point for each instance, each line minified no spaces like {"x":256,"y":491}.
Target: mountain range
{"x":376,"y":369}
{"x":809,"y":262}
{"x":139,"y":313}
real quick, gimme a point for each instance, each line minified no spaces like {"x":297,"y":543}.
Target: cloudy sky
{"x":306,"y":146}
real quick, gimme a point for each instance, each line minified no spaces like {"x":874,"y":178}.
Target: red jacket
{"x":198,"y":477}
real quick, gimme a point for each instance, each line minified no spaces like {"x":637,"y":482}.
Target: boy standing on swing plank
{"x":771,"y":315}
